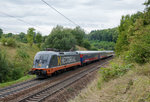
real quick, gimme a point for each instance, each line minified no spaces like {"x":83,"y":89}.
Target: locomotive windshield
{"x":42,"y":57}
{"x":41,"y":61}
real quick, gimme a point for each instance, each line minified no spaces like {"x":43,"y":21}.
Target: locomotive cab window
{"x":41,"y":60}
{"x":42,"y":57}
{"x":53,"y":61}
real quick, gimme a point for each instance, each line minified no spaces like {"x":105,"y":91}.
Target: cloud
{"x":89,"y":14}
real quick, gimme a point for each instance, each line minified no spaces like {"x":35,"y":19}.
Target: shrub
{"x":22,"y":61}
{"x":86,"y":44}
{"x":17,"y":73}
{"x":5,"y":68}
{"x":4,"y":41}
{"x":21,"y":53}
{"x":139,"y":53}
{"x":114,"y":72}
{"x":9,"y":42}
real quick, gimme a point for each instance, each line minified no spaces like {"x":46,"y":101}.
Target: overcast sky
{"x":89,"y":14}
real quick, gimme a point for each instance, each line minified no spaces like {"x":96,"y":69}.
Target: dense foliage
{"x":109,"y":35}
{"x":65,"y":39}
{"x":114,"y":72}
{"x":104,"y":39}
{"x":134,"y":36}
{"x":9,"y":42}
{"x":5,"y":70}
{"x":15,"y":62}
{"x":1,"y":32}
{"x":103,"y":45}
{"x":60,"y":38}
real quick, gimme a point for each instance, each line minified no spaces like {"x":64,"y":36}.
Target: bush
{"x":8,"y":71}
{"x":139,"y":53}
{"x":22,"y":61}
{"x":4,"y":41}
{"x":9,"y":42}
{"x":5,"y":68}
{"x":21,"y":53}
{"x":114,"y":72}
{"x":86,"y":44}
{"x":17,"y":73}
{"x":93,"y":48}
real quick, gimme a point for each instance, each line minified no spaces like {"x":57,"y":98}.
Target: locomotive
{"x":48,"y":62}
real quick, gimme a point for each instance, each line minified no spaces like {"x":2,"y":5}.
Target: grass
{"x":133,"y":86}
{"x":81,"y":48}
{"x":25,"y":78}
{"x":24,"y":64}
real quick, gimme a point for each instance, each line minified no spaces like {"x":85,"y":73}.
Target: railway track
{"x":19,"y":87}
{"x":52,"y":89}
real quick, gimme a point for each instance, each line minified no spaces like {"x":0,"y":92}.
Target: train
{"x":48,"y":62}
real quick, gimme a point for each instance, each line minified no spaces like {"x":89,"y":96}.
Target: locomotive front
{"x":41,"y":63}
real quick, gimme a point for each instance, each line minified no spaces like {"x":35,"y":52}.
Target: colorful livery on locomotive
{"x":47,"y":62}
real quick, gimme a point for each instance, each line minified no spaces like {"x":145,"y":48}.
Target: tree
{"x":30,"y":35}
{"x":109,"y":35}
{"x":38,"y":39}
{"x":134,"y":37}
{"x":147,"y":3}
{"x":5,"y":69}
{"x":44,"y":38}
{"x":9,"y":34}
{"x":60,"y":38}
{"x":79,"y":35}
{"x":1,"y":32}
{"x":86,"y":44}
{"x":22,"y":37}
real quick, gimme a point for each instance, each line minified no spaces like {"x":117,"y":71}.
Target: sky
{"x":88,"y":14}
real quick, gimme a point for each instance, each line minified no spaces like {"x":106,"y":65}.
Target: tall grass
{"x":5,"y":67}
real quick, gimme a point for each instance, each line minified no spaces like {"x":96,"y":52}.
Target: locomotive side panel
{"x":63,"y":60}
{"x":59,"y":62}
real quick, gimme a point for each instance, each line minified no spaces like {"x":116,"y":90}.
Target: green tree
{"x":5,"y":70}
{"x":1,"y":32}
{"x":86,"y":44}
{"x":110,"y":35}
{"x":39,"y":39}
{"x":22,"y":37}
{"x":79,"y":35}
{"x":134,"y":37}
{"x":30,"y":35}
{"x":147,"y":3}
{"x":61,"y":38}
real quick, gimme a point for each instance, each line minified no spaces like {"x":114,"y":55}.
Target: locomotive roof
{"x":71,"y":53}
{"x":57,"y":53}
{"x":47,"y":52}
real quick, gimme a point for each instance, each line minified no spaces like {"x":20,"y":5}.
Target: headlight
{"x":47,"y":66}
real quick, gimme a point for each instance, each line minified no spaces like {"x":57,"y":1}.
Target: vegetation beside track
{"x":22,"y":79}
{"x":18,"y":50}
{"x":127,"y":78}
{"x":118,"y":85}
{"x":16,"y":62}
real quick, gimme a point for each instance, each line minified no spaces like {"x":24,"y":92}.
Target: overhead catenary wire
{"x":19,"y":19}
{"x":8,"y":31}
{"x":60,"y":13}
